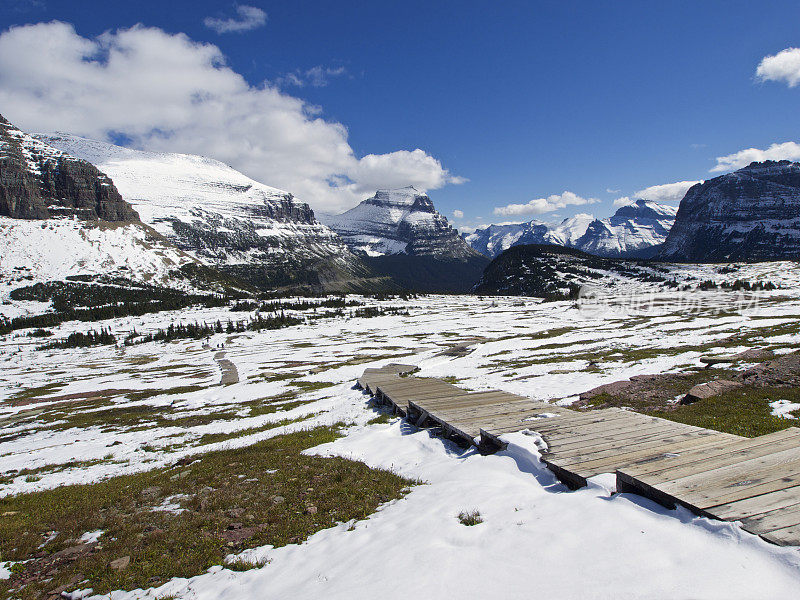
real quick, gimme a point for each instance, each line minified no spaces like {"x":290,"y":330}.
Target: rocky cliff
{"x":223,"y":218}
{"x":38,"y":181}
{"x":399,"y":234}
{"x":752,"y":214}
{"x":402,"y":221}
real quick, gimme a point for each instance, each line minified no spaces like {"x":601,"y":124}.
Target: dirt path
{"x":230,"y":374}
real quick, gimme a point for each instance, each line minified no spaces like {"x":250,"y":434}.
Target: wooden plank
{"x":788,"y":536}
{"x":568,"y":422}
{"x":612,"y":462}
{"x":775,"y":519}
{"x":690,"y":458}
{"x":648,"y":447}
{"x":567,"y":426}
{"x":746,"y":485}
{"x":744,"y":456}
{"x":755,"y":505}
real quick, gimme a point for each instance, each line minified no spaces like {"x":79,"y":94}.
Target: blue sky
{"x":523,"y":99}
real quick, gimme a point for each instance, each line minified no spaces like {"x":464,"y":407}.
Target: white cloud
{"x":737,"y":160}
{"x":610,"y":191}
{"x":668,"y":192}
{"x":318,"y":76}
{"x":458,"y":214}
{"x":540,"y":206}
{"x":783,"y":66}
{"x":166,"y":92}
{"x":623,"y":201}
{"x":247,"y":18}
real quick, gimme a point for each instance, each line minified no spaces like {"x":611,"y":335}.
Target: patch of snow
{"x":90,"y":537}
{"x":784,"y":408}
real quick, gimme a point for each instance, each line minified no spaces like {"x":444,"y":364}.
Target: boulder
{"x":710,"y":389}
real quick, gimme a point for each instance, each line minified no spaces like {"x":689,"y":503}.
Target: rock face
{"x":752,"y":214}
{"x":399,"y":234}
{"x":402,"y":221}
{"x":634,"y":231}
{"x":39,"y":182}
{"x":223,"y":218}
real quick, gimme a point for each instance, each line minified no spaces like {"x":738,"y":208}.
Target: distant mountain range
{"x":635,"y":231}
{"x":73,"y":206}
{"x":752,"y":214}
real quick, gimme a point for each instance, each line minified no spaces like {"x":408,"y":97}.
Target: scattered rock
{"x":235,"y":513}
{"x":120,"y":564}
{"x":278,"y":499}
{"x":151,"y":492}
{"x":710,"y":389}
{"x":311,"y":510}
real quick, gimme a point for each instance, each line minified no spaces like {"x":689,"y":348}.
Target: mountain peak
{"x":399,"y":221}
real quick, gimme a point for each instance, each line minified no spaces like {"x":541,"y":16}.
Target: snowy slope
{"x":636,"y":230}
{"x":207,"y":208}
{"x":401,"y":221}
{"x":52,"y":249}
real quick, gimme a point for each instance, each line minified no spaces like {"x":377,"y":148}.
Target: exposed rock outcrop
{"x":752,"y":214}
{"x":254,"y":232}
{"x":402,"y":221}
{"x":39,"y":182}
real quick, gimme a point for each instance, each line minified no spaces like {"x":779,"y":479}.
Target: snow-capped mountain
{"x":61,"y":216}
{"x":750,"y":214}
{"x":494,"y":239}
{"x":636,"y":230}
{"x":38,"y":181}
{"x":220,"y":216}
{"x":401,"y":221}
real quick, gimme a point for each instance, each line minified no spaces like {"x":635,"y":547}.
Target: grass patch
{"x":744,"y":411}
{"x":267,"y":493}
{"x":470,"y":518}
{"x":35,"y":392}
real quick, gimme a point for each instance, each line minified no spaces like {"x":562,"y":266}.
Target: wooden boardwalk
{"x":755,"y":481}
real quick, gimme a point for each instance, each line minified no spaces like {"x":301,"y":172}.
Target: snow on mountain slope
{"x":52,"y":249}
{"x":209,"y":209}
{"x":401,"y":221}
{"x":750,"y":214}
{"x":636,"y":230}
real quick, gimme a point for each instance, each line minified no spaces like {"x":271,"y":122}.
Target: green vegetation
{"x":83,"y":340}
{"x":744,"y":411}
{"x":74,"y":301}
{"x":470,"y":518}
{"x":267,"y":493}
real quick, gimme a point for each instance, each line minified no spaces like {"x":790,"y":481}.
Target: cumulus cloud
{"x":247,"y":18}
{"x":623,"y":201}
{"x":737,"y":160}
{"x":318,"y":76}
{"x":539,"y":206}
{"x":166,"y":92}
{"x":458,"y":214}
{"x":668,"y":192}
{"x":783,"y":66}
